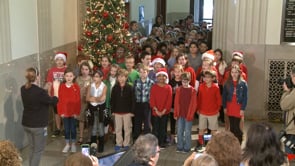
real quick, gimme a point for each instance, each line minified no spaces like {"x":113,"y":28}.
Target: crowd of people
{"x":171,"y":76}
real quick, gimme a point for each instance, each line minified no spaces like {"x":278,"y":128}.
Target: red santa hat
{"x":62,"y":55}
{"x":209,"y":55}
{"x":240,"y":54}
{"x":163,"y":71}
{"x":159,"y":60}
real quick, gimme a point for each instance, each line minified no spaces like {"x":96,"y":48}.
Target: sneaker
{"x":117,"y":148}
{"x":125,"y":148}
{"x":186,"y":151}
{"x":200,"y":148}
{"x":179,"y":150}
{"x":73,"y":148}
{"x":66,"y":148}
{"x":55,"y":133}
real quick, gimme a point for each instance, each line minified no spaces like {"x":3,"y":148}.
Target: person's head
{"x":225,"y":148}
{"x":159,"y":20}
{"x":209,"y":76}
{"x":133,"y":26}
{"x":185,"y":79}
{"x":182,"y":60}
{"x":129,"y":62}
{"x":181,"y":46}
{"x":120,"y":52}
{"x":203,"y":46}
{"x":146,"y":150}
{"x":105,"y":61}
{"x":148,"y":48}
{"x":78,"y":159}
{"x":235,"y":73}
{"x":60,"y":59}
{"x":204,"y":160}
{"x":114,"y":70}
{"x":162,"y":47}
{"x":97,"y":76}
{"x":175,"y":52}
{"x":206,"y":65}
{"x":162,"y":76}
{"x":263,"y":146}
{"x":122,"y":76}
{"x":32,"y":75}
{"x":81,"y":58}
{"x":85,"y":69}
{"x":177,"y":71}
{"x":193,"y":47}
{"x":69,"y":76}
{"x":143,"y":71}
{"x":218,"y":54}
{"x":146,"y":58}
{"x":237,"y":58}
{"x":158,"y":63}
{"x":9,"y":155}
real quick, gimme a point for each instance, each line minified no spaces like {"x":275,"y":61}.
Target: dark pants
{"x":159,"y":128}
{"x":172,"y":123}
{"x":142,"y":114}
{"x":70,"y":129}
{"x":234,"y":123}
{"x":221,"y":113}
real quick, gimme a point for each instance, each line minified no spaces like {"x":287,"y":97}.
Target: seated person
{"x":146,"y":151}
{"x":9,"y":155}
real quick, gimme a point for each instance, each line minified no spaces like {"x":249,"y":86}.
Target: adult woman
{"x":263,"y":147}
{"x":36,"y":103}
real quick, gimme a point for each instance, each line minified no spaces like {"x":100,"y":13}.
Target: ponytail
{"x":31,"y":76}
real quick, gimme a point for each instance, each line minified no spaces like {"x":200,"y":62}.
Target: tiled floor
{"x":168,"y":157}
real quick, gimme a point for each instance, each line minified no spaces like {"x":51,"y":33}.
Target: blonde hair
{"x":31,"y":76}
{"x":178,"y":66}
{"x":78,"y":159}
{"x":123,"y":72}
{"x":143,"y":67}
{"x":204,"y":160}
{"x":9,"y":155}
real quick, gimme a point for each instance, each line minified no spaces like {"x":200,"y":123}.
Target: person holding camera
{"x":288,"y":105}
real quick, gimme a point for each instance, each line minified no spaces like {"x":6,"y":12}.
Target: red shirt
{"x":161,"y":98}
{"x":233,"y":108}
{"x":55,"y":74}
{"x":69,"y":102}
{"x":209,"y":99}
{"x":105,"y":72}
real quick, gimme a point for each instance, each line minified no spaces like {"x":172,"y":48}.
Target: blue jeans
{"x":97,"y":125}
{"x":70,"y":129}
{"x":184,"y":128}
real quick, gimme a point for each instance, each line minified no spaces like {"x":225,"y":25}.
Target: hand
{"x":242,"y":113}
{"x":56,"y":84}
{"x":285,"y":88}
{"x":175,"y":118}
{"x":62,"y":115}
{"x":189,"y":160}
{"x":94,"y":160}
{"x":75,"y":116}
{"x":225,"y":111}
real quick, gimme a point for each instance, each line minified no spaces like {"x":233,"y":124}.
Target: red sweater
{"x":209,"y":99}
{"x":161,"y":98}
{"x":69,"y":102}
{"x":192,"y":106}
{"x":193,"y":75}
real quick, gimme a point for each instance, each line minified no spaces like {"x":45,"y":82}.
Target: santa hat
{"x":62,"y":55}
{"x":209,"y":55}
{"x":240,"y":54}
{"x":163,"y":71}
{"x":159,"y":60}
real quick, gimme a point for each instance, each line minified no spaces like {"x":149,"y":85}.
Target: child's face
{"x":217,"y":56}
{"x":157,"y":66}
{"x":69,"y":77}
{"x":143,"y":74}
{"x":146,"y":60}
{"x":235,"y":63}
{"x":161,"y":78}
{"x":134,"y":27}
{"x":85,"y":70}
{"x":113,"y":72}
{"x":122,"y":79}
{"x":97,"y":78}
{"x":59,"y":62}
{"x":235,"y":74}
{"x":185,"y":83}
{"x":205,"y":66}
{"x":177,"y":73}
{"x":203,"y":47}
{"x":181,"y":47}
{"x":129,"y":63}
{"x":105,"y":62}
{"x":149,"y":50}
{"x":175,"y":52}
{"x":181,"y":60}
{"x":208,"y":79}
{"x":193,"y":49}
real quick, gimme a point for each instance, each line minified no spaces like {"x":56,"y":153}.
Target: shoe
{"x":186,"y":151}
{"x":55,"y":133}
{"x":63,"y":133}
{"x":118,"y":148}
{"x":66,"y":148}
{"x":200,"y":148}
{"x":125,"y":148}
{"x":179,"y":150}
{"x":80,"y":141}
{"x":73,"y":148}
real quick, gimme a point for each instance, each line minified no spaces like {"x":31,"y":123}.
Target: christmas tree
{"x":104,"y":29}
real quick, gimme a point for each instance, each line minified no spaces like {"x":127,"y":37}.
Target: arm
{"x":287,"y":100}
{"x":224,"y":96}
{"x":103,"y":95}
{"x":245,"y":96}
{"x":169,"y":100}
{"x":218,"y":97}
{"x":176,"y":104}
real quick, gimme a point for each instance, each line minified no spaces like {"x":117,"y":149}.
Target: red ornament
{"x":110,"y":38}
{"x":88,"y":33}
{"x":96,"y":40}
{"x":126,"y":25}
{"x":95,"y":68}
{"x":105,"y":14}
{"x":80,"y":47}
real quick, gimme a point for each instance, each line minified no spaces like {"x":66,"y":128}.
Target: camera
{"x":287,"y":80}
{"x":286,"y":141}
{"x":85,"y":149}
{"x":207,"y":138}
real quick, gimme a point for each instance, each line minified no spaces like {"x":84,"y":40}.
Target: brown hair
{"x":143,"y":67}
{"x":225,"y":148}
{"x":87,"y":65}
{"x":123,"y":72}
{"x":204,"y":160}
{"x":78,"y":159}
{"x":211,"y":73}
{"x":9,"y":155}
{"x":31,"y":76}
{"x":186,"y":76}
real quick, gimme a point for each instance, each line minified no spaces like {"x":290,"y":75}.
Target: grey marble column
{"x":5,"y":40}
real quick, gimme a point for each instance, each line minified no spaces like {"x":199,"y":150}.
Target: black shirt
{"x":122,"y":99}
{"x":36,"y":103}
